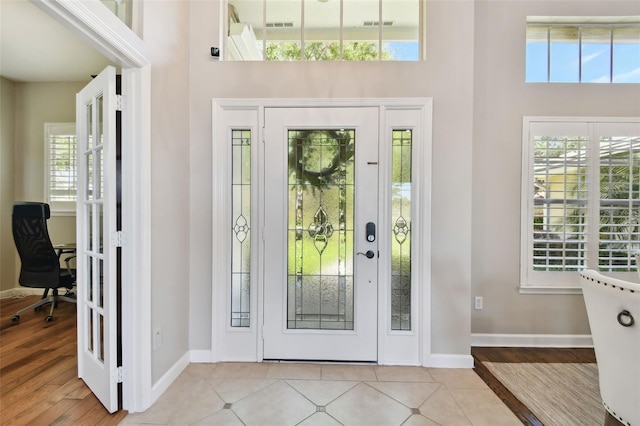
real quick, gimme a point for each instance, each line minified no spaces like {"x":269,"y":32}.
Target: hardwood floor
{"x":555,"y":355}
{"x":38,"y":370}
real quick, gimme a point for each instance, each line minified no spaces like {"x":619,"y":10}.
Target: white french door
{"x":96,"y":219}
{"x":320,"y":247}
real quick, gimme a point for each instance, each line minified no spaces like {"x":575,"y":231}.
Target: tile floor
{"x":279,"y":394}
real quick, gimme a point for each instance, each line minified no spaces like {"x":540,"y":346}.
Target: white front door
{"x":320,"y":245}
{"x":96,"y":219}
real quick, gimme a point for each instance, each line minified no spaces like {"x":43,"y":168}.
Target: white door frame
{"x":245,"y":344}
{"x":92,"y":21}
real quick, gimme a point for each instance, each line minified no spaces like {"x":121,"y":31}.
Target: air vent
{"x":376,"y":23}
{"x":279,"y":24}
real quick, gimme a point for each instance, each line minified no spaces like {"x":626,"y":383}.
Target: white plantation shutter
{"x":61,"y":174}
{"x":580,"y":199}
{"x":619,"y":212}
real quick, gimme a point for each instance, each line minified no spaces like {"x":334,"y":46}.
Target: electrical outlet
{"x":157,"y":338}
{"x":479,"y":302}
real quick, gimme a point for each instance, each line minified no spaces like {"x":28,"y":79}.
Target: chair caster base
{"x":15,"y":318}
{"x":48,"y":318}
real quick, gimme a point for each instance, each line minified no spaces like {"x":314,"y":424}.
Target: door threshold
{"x":318,"y":361}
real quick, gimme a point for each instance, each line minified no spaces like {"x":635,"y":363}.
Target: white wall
{"x":34,"y":104}
{"x":8,"y":279}
{"x":501,"y":99}
{"x":446,"y":75}
{"x":166,"y":34}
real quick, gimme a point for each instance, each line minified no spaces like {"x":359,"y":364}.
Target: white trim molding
{"x":96,"y":24}
{"x":20,"y":292}
{"x":200,"y":356}
{"x":449,"y":361}
{"x":532,"y":340}
{"x":169,"y":377}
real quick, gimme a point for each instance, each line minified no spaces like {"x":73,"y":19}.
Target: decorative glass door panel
{"x":321,"y":180}
{"x":320,"y":241}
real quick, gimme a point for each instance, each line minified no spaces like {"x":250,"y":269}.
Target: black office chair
{"x":40,"y":263}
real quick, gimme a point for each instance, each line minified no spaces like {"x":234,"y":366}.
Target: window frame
{"x":566,"y":282}
{"x":59,"y":208}
{"x":248,"y":36}
{"x":580,"y":23}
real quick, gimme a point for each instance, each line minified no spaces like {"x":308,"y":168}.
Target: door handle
{"x":369,"y":254}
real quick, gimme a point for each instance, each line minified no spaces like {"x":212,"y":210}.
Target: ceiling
{"x":34,"y":47}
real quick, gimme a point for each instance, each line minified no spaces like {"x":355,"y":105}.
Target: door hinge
{"x":119,"y":103}
{"x":263,"y":130}
{"x":117,"y":239}
{"x":118,"y":375}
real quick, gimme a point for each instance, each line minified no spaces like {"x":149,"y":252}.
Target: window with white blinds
{"x":61,"y":171}
{"x":580,"y":198}
{"x":583,"y":49}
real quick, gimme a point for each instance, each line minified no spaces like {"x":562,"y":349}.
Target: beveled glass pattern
{"x":240,"y":228}
{"x":320,"y":229}
{"x":401,"y":189}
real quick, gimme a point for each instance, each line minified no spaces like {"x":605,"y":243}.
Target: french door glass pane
{"x":401,"y":230}
{"x":320,"y":229}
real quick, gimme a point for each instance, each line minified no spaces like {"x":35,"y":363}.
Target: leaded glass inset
{"x":401,"y":187}
{"x":320,"y":229}
{"x":240,"y":228}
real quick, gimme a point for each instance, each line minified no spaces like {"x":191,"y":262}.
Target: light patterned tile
{"x":387,"y":373}
{"x":458,"y":378}
{"x":320,"y":419}
{"x":412,"y":395}
{"x":321,"y":392}
{"x":419,"y":420}
{"x":484,"y":408}
{"x":278,"y":404}
{"x":233,"y":390}
{"x":443,"y":409}
{"x":167,"y":405}
{"x":294,"y":371}
{"x":362,"y":373}
{"x":200,"y":370}
{"x":364,"y":405}
{"x":188,"y":399}
{"x":203,"y":401}
{"x":241,"y":370}
{"x":221,"y":418}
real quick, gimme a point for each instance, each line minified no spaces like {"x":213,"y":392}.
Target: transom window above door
{"x":583,"y":49}
{"x":324,"y":30}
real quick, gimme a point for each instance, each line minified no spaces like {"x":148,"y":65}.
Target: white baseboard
{"x":19,"y":292}
{"x":532,"y":340}
{"x":200,"y":356}
{"x":168,"y":378}
{"x":449,"y":361}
